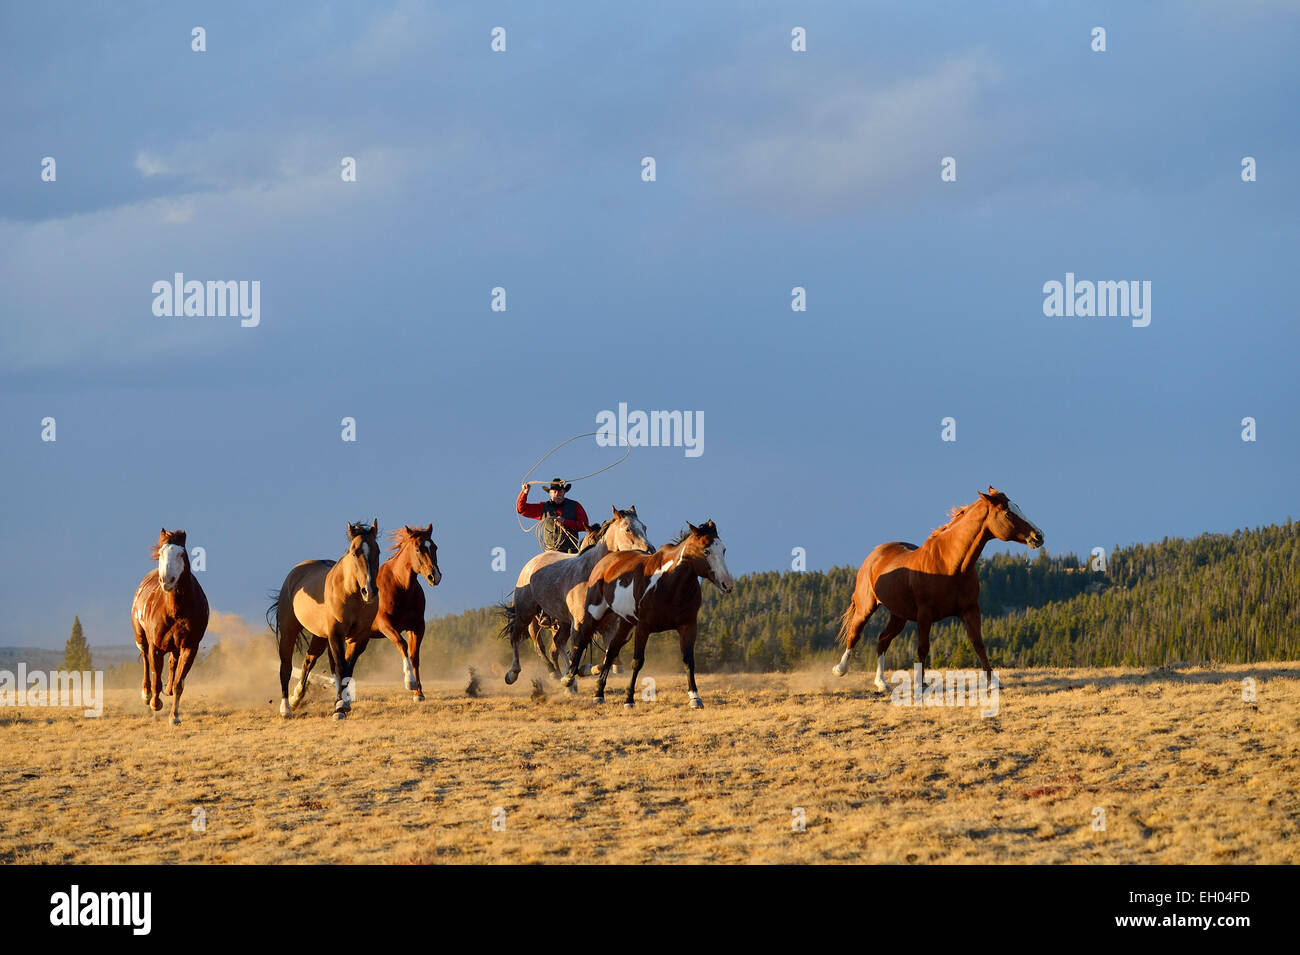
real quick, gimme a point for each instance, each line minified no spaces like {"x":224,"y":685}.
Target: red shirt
{"x":535,"y":512}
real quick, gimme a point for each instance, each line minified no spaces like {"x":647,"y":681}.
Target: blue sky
{"x":522,"y":169}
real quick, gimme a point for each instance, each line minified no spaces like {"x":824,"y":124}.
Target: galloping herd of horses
{"x":616,"y":584}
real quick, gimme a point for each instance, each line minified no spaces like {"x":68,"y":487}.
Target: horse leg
{"x":413,"y":651}
{"x":392,"y":633}
{"x":559,"y":641}
{"x":923,"y":641}
{"x":309,"y":660}
{"x":187,"y":655}
{"x":352,"y":650}
{"x":338,"y":650}
{"x":686,"y":634}
{"x":619,"y":638}
{"x":580,"y":642}
{"x":287,"y":625}
{"x":855,"y":619}
{"x":171,"y":676}
{"x":971,"y":618}
{"x":892,"y":629}
{"x":143,"y":646}
{"x":155,"y":678}
{"x":638,"y":660}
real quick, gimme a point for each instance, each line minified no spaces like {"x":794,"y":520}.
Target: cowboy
{"x":562,"y":519}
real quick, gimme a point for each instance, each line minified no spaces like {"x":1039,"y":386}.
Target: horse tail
{"x":506,"y":611}
{"x":273,"y":615}
{"x":843,"y":636}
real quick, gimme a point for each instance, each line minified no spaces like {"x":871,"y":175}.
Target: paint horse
{"x":332,"y":600}
{"x":169,"y":615}
{"x":653,"y":592}
{"x":547,"y":585}
{"x":933,"y":581}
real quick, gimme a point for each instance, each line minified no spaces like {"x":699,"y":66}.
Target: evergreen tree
{"x":76,"y":654}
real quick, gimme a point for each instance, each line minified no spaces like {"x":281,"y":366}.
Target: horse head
{"x":424,"y":552}
{"x":706,"y":553}
{"x":361,"y":562}
{"x":626,"y":532}
{"x":1007,"y":523}
{"x":172,"y":558}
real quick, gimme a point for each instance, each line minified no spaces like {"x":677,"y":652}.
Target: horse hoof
{"x":837,"y":670}
{"x":599,"y":699}
{"x":285,"y":710}
{"x":419,"y":697}
{"x":340,"y":714}
{"x":627,"y":706}
{"x":555,"y":674}
{"x":593,"y":670}
{"x":566,"y":680}
{"x":696,"y":702}
{"x":156,"y":706}
{"x":511,"y":676}
{"x":176,"y":721}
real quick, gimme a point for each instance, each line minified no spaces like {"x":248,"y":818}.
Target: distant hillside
{"x":1231,"y":599}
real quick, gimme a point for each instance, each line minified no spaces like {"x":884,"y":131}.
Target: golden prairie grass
{"x":1184,"y":770}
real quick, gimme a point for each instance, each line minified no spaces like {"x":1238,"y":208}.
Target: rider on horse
{"x":562,"y":519}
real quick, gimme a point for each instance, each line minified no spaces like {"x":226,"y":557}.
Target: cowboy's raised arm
{"x":533,"y":511}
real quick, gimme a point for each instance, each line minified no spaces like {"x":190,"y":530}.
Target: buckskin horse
{"x":652,"y":592}
{"x":552,"y":585}
{"x":332,"y":600}
{"x":169,"y":615}
{"x":933,"y":581}
{"x":400,"y":616}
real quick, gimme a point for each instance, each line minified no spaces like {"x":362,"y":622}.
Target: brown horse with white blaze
{"x":401,"y":599}
{"x":169,"y":615}
{"x":651,"y":593}
{"x":934,"y":581}
{"x":333,"y":600}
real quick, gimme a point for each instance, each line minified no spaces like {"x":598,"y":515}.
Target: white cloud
{"x":864,"y":143}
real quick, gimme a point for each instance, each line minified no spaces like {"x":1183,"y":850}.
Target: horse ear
{"x":349,"y":531}
{"x":614,"y":510}
{"x":985,"y":496}
{"x":374,"y":526}
{"x":632,"y":508}
{"x":694,"y":530}
{"x":429,"y":529}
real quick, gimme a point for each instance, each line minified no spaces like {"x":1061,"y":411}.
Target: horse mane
{"x":401,"y":538}
{"x":165,"y":538}
{"x":955,"y":514}
{"x":686,"y":532}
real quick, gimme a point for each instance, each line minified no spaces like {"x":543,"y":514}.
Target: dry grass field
{"x":1185,"y":771}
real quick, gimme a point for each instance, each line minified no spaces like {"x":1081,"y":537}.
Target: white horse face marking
{"x":624,"y":602}
{"x":171,"y":563}
{"x":716,"y":555}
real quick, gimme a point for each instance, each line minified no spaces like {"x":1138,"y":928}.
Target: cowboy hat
{"x":558,"y":485}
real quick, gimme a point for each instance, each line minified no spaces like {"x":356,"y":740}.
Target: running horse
{"x":169,"y":615}
{"x":550,"y":588}
{"x":400,"y":616}
{"x":933,"y":581}
{"x":335,"y":602}
{"x":401,"y":599}
{"x":652,"y":592}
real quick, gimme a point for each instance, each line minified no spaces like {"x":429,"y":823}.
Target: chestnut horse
{"x":168,"y":615}
{"x":933,"y":581}
{"x":400,"y":616}
{"x":333,"y":600}
{"x":550,"y":589}
{"x":652,"y":592}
